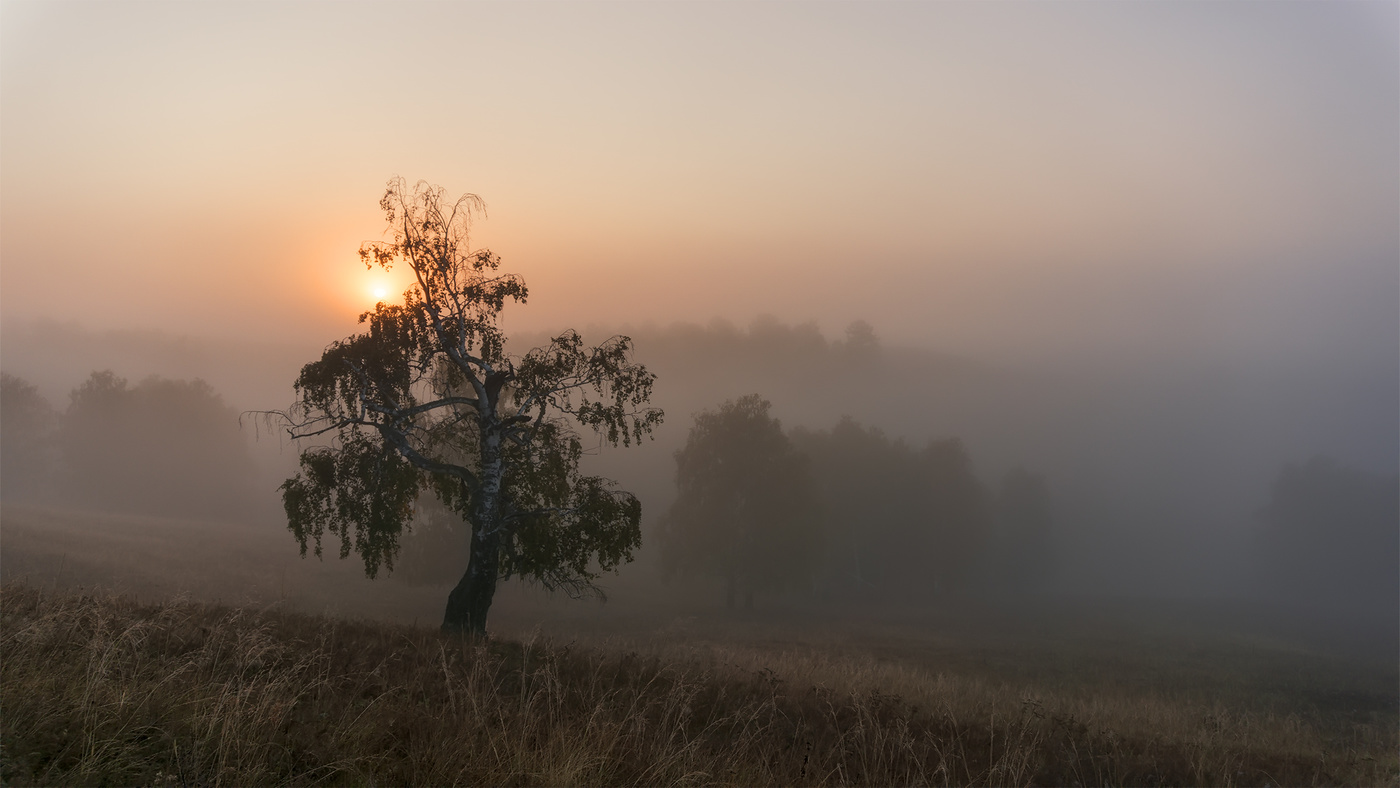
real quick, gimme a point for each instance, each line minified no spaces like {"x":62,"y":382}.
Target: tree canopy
{"x":27,"y":425}
{"x":744,"y":509}
{"x":427,"y":398}
{"x":899,"y":522}
{"x":170,"y":447}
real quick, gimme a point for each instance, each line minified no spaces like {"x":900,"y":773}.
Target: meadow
{"x":172,"y":652}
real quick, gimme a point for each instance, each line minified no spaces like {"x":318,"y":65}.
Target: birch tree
{"x":428,"y":400}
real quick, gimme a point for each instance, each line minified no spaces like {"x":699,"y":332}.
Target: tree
{"x":899,"y":522}
{"x":959,"y":512}
{"x":27,"y":425}
{"x":744,"y":506}
{"x":428,"y":399}
{"x":165,"y":447}
{"x":861,"y":344}
{"x":872,"y":502}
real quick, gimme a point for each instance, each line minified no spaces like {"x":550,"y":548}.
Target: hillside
{"x":99,"y":689}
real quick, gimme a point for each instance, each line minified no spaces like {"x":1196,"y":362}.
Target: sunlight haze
{"x":1002,"y":177}
{"x":906,"y":393}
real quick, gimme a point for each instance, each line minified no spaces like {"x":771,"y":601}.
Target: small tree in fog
{"x":27,"y":427}
{"x":428,"y":399}
{"x":900,"y":522}
{"x":743,"y":509}
{"x":167,"y":447}
{"x":861,"y":344}
{"x":958,"y":511}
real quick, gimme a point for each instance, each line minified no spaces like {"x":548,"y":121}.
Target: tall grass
{"x":97,"y":689}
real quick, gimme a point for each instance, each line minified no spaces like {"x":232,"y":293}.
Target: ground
{"x":1036,"y":692}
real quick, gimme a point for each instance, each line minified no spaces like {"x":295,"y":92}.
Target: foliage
{"x":160,"y":447}
{"x":428,"y":399}
{"x":105,"y":691}
{"x":27,"y":427}
{"x":899,"y":522}
{"x":744,"y":508}
{"x":861,"y":344}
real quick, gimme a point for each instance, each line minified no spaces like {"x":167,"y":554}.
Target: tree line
{"x":158,"y":447}
{"x":425,"y":417}
{"x":847,"y":514}
{"x":850,"y":515}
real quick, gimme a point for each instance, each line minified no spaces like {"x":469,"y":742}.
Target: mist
{"x":1003,"y":331}
{"x":1158,"y":467}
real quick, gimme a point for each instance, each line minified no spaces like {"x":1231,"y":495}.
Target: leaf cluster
{"x":361,"y":492}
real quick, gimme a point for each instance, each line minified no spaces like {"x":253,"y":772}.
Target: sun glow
{"x":384,"y":286}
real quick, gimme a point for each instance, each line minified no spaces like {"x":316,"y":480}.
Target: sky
{"x":1025,"y":180}
{"x":1148,"y":249}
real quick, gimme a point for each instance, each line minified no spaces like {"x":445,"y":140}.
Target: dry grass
{"x":98,"y":689}
{"x":242,"y":564}
{"x":651,"y":689}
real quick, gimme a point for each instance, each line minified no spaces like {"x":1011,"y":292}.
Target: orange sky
{"x":1000,"y":176}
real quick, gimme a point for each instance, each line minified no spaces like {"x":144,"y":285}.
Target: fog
{"x":1158,"y":469}
{"x":1148,"y":255}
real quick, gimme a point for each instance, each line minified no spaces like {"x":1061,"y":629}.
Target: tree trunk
{"x":729,"y":593}
{"x":470,"y":600}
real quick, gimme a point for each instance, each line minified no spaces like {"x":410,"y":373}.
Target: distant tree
{"x":874,"y":513}
{"x":1331,"y":535}
{"x":169,"y":447}
{"x":429,"y":399}
{"x":900,"y":522}
{"x":1024,"y":558}
{"x":27,"y":450}
{"x":861,"y":342}
{"x":744,"y":505}
{"x":959,"y":511}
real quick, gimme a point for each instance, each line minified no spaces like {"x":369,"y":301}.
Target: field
{"x":136,"y":650}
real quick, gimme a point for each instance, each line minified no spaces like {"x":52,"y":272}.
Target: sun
{"x":379,"y":287}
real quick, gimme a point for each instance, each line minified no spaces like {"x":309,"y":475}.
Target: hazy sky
{"x":1174,"y":177}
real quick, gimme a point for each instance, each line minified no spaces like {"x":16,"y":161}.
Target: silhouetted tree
{"x":873,"y":515}
{"x":429,"y":398}
{"x":27,"y":451}
{"x":861,"y":344}
{"x":1331,"y":536}
{"x":744,"y":508}
{"x":169,"y":447}
{"x":958,"y":511}
{"x":899,"y":522}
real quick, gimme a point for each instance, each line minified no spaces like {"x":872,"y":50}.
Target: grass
{"x":98,"y":687}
